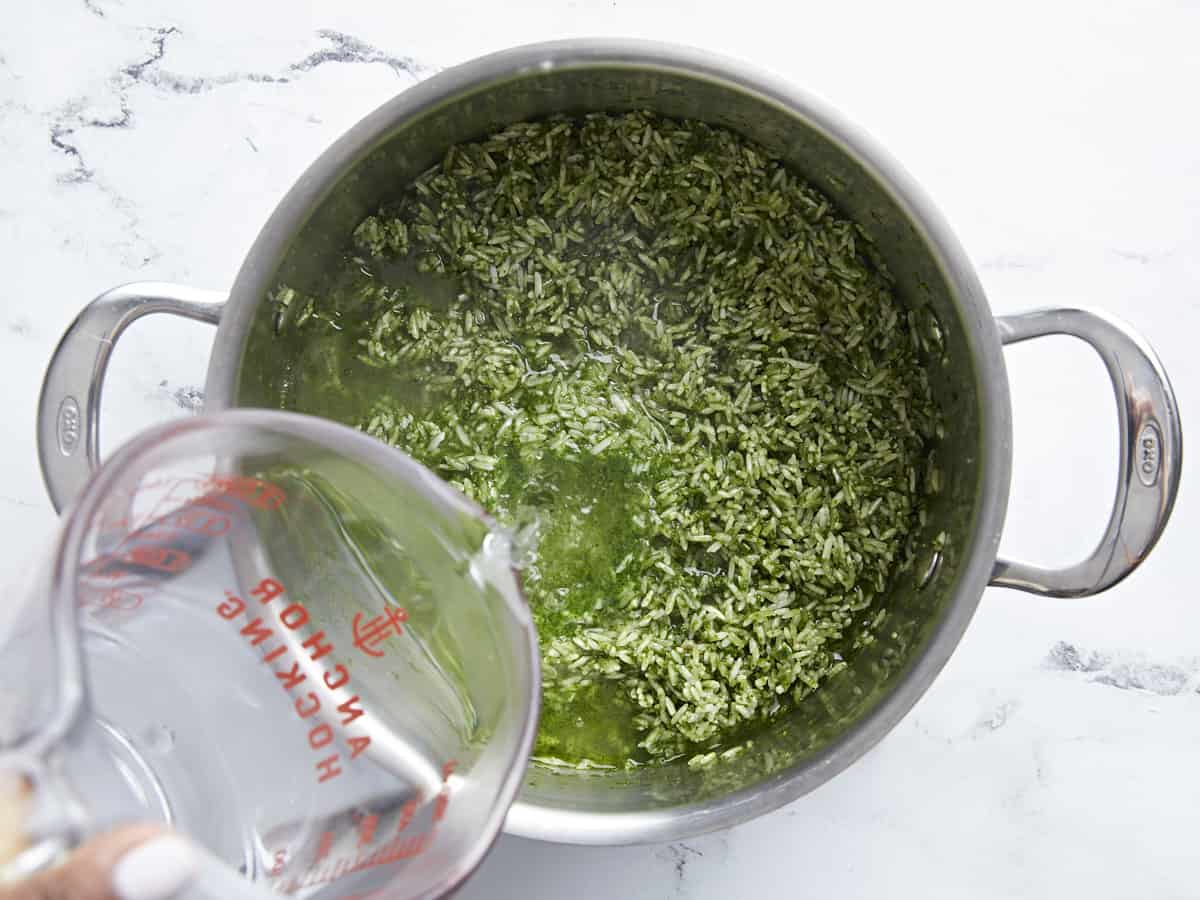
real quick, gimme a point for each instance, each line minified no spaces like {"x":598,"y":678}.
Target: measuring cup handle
{"x":1151,"y":452}
{"x":68,"y":427}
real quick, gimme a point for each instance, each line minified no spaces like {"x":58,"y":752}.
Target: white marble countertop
{"x":1056,"y":755}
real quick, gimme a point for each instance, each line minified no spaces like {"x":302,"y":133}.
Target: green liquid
{"x":660,"y":351}
{"x":582,"y":507}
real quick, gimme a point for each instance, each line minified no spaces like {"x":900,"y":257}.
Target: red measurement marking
{"x":440,"y":802}
{"x":443,"y":798}
{"x":117,"y":599}
{"x":106,"y":566}
{"x":161,"y":502}
{"x":366,"y":830}
{"x":407,"y":812}
{"x":324,"y":846}
{"x":252,"y":491}
{"x":121,"y":524}
{"x":396,"y":848}
{"x":174,"y":510}
{"x":180,"y":525}
{"x":202,"y":521}
{"x":393,"y":851}
{"x":162,"y":559}
{"x":158,"y":533}
{"x":375,"y":631}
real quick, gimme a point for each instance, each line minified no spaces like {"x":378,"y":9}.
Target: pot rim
{"x":530,"y":820}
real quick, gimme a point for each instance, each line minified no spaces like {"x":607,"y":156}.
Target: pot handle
{"x":68,"y":426}
{"x":1151,"y":448}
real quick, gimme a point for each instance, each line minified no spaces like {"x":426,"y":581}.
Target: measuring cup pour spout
{"x":287,"y":641}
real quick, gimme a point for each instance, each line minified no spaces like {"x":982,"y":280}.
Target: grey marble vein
{"x":346,"y":48}
{"x":342,"y":49}
{"x":69,"y":122}
{"x":189,"y":398}
{"x":1013,"y":262}
{"x":157,"y":52}
{"x":60,"y":137}
{"x":679,"y":855}
{"x":13,"y":501}
{"x":1133,"y":256}
{"x":1123,"y":671}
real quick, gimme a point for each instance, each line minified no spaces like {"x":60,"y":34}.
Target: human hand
{"x":135,"y":862}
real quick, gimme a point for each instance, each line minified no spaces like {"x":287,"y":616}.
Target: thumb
{"x":137,"y":862}
{"x":87,"y":873}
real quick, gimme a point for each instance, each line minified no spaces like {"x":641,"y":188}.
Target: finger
{"x":141,"y":862}
{"x":170,"y":868}
{"x":86,"y":874}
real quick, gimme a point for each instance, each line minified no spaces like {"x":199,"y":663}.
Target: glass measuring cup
{"x":287,"y":640}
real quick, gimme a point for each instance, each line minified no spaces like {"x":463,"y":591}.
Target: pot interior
{"x":852,"y":710}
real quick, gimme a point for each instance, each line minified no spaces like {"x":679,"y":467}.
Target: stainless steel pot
{"x":927,"y":614}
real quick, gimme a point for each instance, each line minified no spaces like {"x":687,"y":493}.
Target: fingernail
{"x":156,"y":870}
